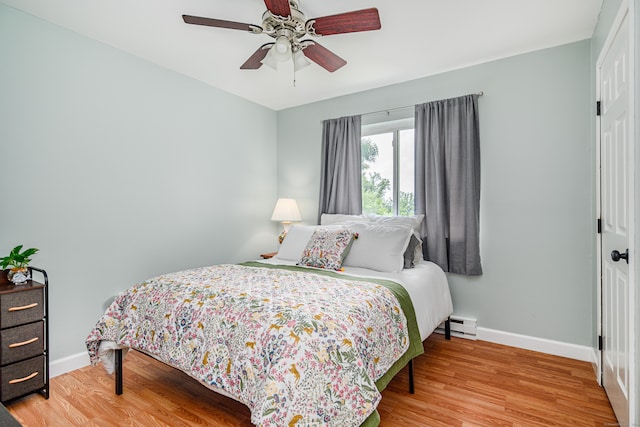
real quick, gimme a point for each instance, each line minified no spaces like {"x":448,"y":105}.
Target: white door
{"x":617,"y":215}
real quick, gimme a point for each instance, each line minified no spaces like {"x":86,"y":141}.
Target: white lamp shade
{"x":286,"y":210}
{"x":270,"y":61}
{"x":299,"y":60}
{"x":281,"y":50}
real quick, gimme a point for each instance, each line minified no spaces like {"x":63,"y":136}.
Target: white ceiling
{"x":418,"y":38}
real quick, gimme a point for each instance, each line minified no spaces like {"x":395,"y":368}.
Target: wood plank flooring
{"x":458,"y":383}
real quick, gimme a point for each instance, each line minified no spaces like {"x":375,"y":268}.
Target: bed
{"x":297,"y":344}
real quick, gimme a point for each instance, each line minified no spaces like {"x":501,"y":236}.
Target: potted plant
{"x":18,"y":262}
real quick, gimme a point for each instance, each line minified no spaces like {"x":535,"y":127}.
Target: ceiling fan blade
{"x":278,"y":7}
{"x":254,"y":61}
{"x":349,"y":22}
{"x":210,"y":22}
{"x":322,"y":56}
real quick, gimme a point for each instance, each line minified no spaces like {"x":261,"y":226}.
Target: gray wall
{"x":119,"y":170}
{"x":537,"y":213}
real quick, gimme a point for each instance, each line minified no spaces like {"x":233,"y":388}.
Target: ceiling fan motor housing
{"x":295,"y":22}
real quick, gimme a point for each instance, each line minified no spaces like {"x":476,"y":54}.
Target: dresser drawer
{"x":21,"y":307}
{"x":21,"y":342}
{"x":22,"y":378}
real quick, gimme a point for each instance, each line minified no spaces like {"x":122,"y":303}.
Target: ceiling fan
{"x":284,"y":21}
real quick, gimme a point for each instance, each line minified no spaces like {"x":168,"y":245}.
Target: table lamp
{"x":286,"y":211}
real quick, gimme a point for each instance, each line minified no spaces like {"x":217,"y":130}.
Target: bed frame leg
{"x":411,"y":385}
{"x":118,"y":357}
{"x":447,"y":328}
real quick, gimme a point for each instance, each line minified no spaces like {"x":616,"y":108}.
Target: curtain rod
{"x":388,"y":110}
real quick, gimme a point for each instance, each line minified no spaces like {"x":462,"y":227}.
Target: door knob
{"x":617,"y":256}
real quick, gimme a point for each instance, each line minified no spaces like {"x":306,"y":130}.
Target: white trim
{"x":557,"y":348}
{"x":387,"y":127}
{"x":598,"y":331}
{"x":634,"y":410}
{"x":68,"y":364}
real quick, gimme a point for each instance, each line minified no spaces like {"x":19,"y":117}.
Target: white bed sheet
{"x":426,"y":284}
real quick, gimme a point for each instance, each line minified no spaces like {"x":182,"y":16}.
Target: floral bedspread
{"x":296,"y":347}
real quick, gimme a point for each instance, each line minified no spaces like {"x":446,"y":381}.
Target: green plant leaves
{"x":18,"y":259}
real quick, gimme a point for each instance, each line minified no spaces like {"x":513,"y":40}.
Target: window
{"x":388,"y":168}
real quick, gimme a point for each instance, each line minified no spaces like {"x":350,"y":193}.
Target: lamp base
{"x":286,"y":225}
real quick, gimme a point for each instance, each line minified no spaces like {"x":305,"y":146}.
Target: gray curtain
{"x":447,"y":144}
{"x":340,"y":176}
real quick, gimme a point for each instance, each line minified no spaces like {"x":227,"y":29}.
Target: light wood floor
{"x":458,"y":383}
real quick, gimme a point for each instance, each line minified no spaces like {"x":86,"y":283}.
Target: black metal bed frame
{"x":118,"y":362}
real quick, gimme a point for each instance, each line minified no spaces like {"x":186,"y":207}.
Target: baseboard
{"x":557,"y":348}
{"x":68,"y":364}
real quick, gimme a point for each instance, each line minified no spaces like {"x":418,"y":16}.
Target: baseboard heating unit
{"x":461,"y":327}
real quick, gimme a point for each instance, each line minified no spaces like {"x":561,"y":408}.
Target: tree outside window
{"x":388,"y":173}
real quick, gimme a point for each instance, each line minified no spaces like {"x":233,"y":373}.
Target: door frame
{"x":627,"y":8}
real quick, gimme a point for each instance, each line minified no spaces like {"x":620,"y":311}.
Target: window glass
{"x":377,"y":174}
{"x":388,"y":172}
{"x":406,"y":168}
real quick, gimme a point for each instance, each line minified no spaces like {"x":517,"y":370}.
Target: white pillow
{"x":378,"y":247}
{"x":414,"y":221}
{"x":296,"y":241}
{"x":329,"y":219}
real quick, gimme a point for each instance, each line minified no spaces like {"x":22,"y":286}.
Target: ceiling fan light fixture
{"x":270,"y":61}
{"x":299,"y":60}
{"x":281,"y":50}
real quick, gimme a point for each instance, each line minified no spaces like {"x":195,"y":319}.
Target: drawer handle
{"x":20,"y":344}
{"x":24,"y":307}
{"x":27,"y":378}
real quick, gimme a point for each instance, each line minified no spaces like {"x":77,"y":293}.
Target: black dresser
{"x":24,"y":344}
